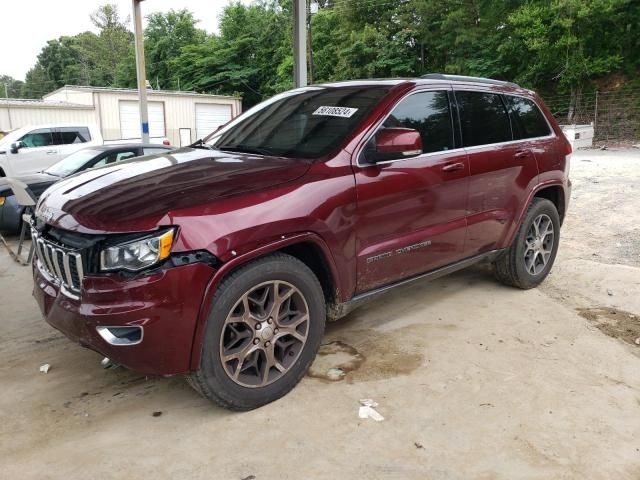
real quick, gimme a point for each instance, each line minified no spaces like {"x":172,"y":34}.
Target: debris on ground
{"x":367,"y":410}
{"x":604,"y":147}
{"x":45,"y":368}
{"x":156,"y":414}
{"x":250,"y":477}
{"x":335,"y":374}
{"x":609,"y":292}
{"x":418,"y":446}
{"x":637,"y":341}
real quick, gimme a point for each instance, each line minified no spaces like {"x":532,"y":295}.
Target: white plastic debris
{"x":637,"y":341}
{"x":335,"y":374}
{"x":367,"y":410}
{"x":45,"y":368}
{"x":106,"y":362}
{"x":609,"y":292}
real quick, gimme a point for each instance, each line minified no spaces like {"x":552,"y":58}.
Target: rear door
{"x":411,"y":211}
{"x":70,"y":139}
{"x":501,"y":170}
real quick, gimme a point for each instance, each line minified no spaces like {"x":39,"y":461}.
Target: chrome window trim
{"x":474,"y":147}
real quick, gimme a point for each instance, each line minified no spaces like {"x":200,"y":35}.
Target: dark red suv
{"x":223,"y":261}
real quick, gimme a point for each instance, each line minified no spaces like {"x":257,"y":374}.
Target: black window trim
{"x":433,"y":88}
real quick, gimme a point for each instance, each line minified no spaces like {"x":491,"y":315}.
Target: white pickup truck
{"x":32,"y":149}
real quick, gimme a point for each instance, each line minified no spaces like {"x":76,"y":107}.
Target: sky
{"x":28,"y":24}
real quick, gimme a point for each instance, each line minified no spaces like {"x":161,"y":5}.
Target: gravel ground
{"x":475,"y":380}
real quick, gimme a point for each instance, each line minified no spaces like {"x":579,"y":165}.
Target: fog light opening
{"x":121,"y":336}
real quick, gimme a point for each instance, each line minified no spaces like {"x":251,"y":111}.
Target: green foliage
{"x":13,"y":86}
{"x":552,"y":45}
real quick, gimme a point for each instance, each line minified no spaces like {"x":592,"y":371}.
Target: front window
{"x":41,"y":137}
{"x":307,"y":123}
{"x":72,"y":163}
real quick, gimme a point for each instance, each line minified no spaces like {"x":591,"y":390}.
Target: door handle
{"x":452,"y":167}
{"x":51,"y":152}
{"x":522,"y":154}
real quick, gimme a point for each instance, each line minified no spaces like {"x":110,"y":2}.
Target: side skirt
{"x":340,"y":310}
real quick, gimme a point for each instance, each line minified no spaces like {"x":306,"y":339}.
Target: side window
{"x":483,"y":118}
{"x":153,"y":151}
{"x":114,"y":158}
{"x":527,"y":119}
{"x":429,"y":114}
{"x":69,"y":135}
{"x":41,"y":137}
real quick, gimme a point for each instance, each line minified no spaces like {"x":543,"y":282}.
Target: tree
{"x":13,"y":87}
{"x":166,"y":34}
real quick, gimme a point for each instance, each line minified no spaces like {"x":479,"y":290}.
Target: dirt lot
{"x":475,"y":380}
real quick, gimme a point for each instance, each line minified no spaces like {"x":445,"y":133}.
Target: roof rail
{"x":464,"y":78}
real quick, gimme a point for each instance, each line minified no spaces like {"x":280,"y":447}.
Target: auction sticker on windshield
{"x":345,"y":112}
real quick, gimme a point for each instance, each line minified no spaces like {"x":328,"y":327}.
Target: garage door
{"x":130,"y":119}
{"x":209,"y":117}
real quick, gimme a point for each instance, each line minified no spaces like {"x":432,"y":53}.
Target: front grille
{"x":63,"y":264}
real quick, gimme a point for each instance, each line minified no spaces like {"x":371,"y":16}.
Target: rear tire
{"x":529,"y":259}
{"x":264,"y":329}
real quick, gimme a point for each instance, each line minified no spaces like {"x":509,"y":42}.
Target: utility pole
{"x":313,"y":9}
{"x":299,"y":43}
{"x":6,"y":94}
{"x":140,"y":70}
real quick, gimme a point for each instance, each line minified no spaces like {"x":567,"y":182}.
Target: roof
{"x":120,"y":146}
{"x":30,"y":103}
{"x":85,"y":88}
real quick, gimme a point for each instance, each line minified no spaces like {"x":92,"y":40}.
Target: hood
{"x":135,"y":195}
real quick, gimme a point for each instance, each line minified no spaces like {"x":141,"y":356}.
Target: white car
{"x":34,"y":148}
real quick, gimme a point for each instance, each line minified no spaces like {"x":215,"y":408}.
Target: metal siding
{"x":21,"y":116}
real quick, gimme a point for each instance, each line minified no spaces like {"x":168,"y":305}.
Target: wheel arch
{"x":307,"y":247}
{"x":555,"y":194}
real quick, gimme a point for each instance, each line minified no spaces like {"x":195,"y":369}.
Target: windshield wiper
{"x":200,"y":144}
{"x":246,"y":149}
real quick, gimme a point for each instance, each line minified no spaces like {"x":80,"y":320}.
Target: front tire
{"x":529,"y":259}
{"x":264,"y":330}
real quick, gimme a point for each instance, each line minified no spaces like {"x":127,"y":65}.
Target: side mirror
{"x":395,"y":143}
{"x":15,"y":146}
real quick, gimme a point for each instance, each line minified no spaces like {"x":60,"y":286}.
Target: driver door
{"x":412,"y":211}
{"x":39,"y":152}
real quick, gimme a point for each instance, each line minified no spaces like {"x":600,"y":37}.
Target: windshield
{"x":307,"y":123}
{"x":72,"y":163}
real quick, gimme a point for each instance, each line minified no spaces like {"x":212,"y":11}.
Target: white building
{"x":182,"y":117}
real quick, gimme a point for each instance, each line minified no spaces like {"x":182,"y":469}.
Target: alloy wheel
{"x":539,"y":244}
{"x":264,"y":334}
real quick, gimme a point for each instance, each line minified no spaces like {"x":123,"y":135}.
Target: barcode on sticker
{"x":344,"y":112}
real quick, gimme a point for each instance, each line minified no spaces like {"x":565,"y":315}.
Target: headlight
{"x":2,"y":200}
{"x":136,"y":255}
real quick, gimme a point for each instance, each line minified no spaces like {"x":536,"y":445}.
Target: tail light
{"x":167,"y":142}
{"x":568,"y":150}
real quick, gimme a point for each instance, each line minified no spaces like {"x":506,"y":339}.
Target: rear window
{"x":69,"y":135}
{"x":526,"y":118}
{"x":306,"y":123}
{"x":483,"y":117}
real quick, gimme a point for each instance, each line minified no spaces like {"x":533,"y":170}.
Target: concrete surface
{"x":475,"y":380}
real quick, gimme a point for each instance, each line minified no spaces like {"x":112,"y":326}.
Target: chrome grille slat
{"x":56,"y":262}
{"x":67,"y":271}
